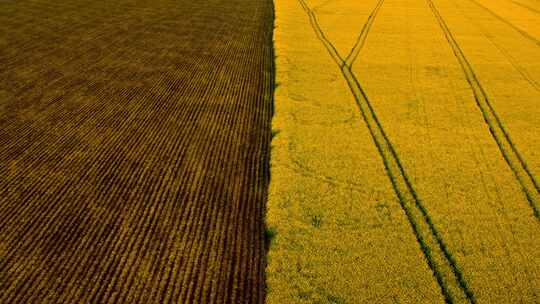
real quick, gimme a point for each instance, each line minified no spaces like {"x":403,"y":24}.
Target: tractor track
{"x":359,"y":44}
{"x":518,"y":165}
{"x":526,"y":7}
{"x":500,"y":18}
{"x":509,"y":57}
{"x":454,"y":287}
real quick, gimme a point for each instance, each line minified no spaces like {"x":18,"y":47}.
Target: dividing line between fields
{"x":527,"y":181}
{"x":453,"y":286}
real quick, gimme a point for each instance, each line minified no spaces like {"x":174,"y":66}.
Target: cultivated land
{"x":134,"y":142}
{"x":406,"y":165}
{"x":135,"y":148}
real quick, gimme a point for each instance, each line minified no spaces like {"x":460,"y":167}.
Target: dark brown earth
{"x":134,"y":143}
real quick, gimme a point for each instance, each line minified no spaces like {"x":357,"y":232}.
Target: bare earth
{"x":134,"y":142}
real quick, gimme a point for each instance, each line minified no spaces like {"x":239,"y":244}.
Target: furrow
{"x":130,"y":156}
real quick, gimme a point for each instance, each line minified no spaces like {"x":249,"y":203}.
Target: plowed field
{"x":134,"y":142}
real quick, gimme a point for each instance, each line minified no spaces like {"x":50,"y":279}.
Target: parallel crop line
{"x":439,"y":258}
{"x":190,"y":274}
{"x":60,"y":217}
{"x":30,"y":151}
{"x":216,"y":255}
{"x":132,"y":222}
{"x":120,"y":271}
{"x":518,"y":165}
{"x":45,"y":203}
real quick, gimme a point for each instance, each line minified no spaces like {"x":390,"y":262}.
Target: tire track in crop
{"x":359,"y":44}
{"x":518,"y":165}
{"x":439,"y":258}
{"x":136,"y":195}
{"x":320,"y":34}
{"x":509,"y":57}
{"x":517,"y":29}
{"x":526,"y":7}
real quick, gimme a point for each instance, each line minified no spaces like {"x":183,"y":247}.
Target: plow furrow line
{"x":43,"y":112}
{"x":73,"y":129}
{"x":120,"y":273}
{"x":105,"y":191}
{"x":146,"y":186}
{"x":223,"y":174}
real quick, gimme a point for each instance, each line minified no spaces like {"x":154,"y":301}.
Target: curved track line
{"x":453,"y":286}
{"x":515,"y":161}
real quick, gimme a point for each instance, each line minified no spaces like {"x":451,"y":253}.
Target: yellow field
{"x":405,"y":165}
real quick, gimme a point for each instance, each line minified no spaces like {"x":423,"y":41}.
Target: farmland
{"x":405,"y":167}
{"x":285,"y":151}
{"x":134,"y":143}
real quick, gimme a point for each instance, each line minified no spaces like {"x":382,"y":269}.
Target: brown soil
{"x":134,"y":142}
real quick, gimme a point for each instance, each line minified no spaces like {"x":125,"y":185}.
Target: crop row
{"x":144,"y":179}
